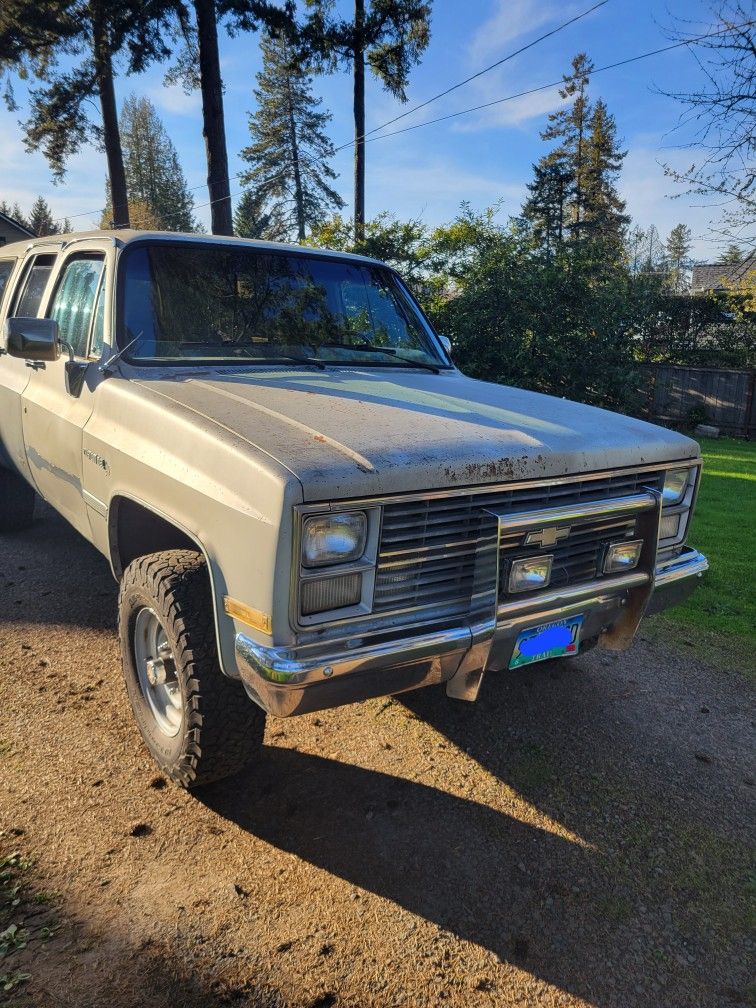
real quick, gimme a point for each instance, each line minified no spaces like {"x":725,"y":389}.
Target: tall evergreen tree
{"x":252,"y":219}
{"x":573,"y":195}
{"x":389,"y":36}
{"x":570,"y":127}
{"x":15,"y":212}
{"x":198,"y":66}
{"x":154,"y":176}
{"x":604,"y":216}
{"x":290,"y":150}
{"x":546,"y":207}
{"x":41,"y":220}
{"x":679,"y":245}
{"x":35,"y":37}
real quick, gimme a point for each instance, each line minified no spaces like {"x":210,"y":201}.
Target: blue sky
{"x":480,"y":158}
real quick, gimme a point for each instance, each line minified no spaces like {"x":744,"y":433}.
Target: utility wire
{"x":478,"y":108}
{"x":429,"y":101}
{"x":545,"y":87}
{"x":485,"y":70}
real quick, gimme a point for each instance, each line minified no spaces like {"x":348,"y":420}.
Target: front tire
{"x":16,"y":502}
{"x":198,"y":724}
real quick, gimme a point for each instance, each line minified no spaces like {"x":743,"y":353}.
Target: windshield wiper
{"x":373,"y":348}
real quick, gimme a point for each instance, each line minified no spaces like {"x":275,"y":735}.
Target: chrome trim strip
{"x":612,"y":506}
{"x":562,"y":596}
{"x":688,"y":564}
{"x":95,"y":503}
{"x":464,"y":491}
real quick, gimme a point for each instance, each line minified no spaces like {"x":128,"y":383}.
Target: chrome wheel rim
{"x":156,"y":670}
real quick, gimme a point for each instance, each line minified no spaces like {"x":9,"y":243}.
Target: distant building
{"x":11,"y":231}
{"x":710,"y":277}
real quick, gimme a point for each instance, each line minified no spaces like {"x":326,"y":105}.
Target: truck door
{"x":53,"y":417}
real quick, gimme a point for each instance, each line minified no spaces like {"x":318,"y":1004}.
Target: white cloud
{"x":25,"y":176}
{"x":511,"y":113}
{"x":173,"y":99}
{"x":510,"y":20}
{"x":433,"y":189}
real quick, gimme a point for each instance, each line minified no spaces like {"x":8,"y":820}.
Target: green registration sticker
{"x":550,"y":640}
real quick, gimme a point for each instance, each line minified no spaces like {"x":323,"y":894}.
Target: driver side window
{"x":73,"y":304}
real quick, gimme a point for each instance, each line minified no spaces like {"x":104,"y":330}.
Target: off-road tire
{"x":221,"y":728}
{"x":16,"y":502}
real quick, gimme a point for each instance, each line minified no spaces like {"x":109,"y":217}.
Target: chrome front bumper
{"x":286,"y":682}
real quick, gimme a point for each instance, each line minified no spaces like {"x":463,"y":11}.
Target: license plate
{"x":550,"y":640}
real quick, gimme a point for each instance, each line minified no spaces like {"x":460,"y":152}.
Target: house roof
{"x":16,"y":224}
{"x":710,"y":276}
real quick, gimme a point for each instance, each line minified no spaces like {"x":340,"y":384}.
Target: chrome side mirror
{"x":446,"y":343}
{"x":34,"y":339}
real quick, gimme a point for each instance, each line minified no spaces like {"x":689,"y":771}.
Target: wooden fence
{"x":683,"y":396}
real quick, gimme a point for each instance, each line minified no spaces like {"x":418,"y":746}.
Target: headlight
{"x":333,"y":538}
{"x":529,"y":574}
{"x":675,"y":485}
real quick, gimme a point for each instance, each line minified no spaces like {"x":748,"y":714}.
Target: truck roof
{"x":127,"y":236}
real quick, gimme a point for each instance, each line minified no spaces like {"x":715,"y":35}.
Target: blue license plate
{"x":550,"y":640}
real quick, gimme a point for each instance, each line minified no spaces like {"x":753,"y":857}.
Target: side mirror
{"x":35,"y":339}
{"x":446,"y":343}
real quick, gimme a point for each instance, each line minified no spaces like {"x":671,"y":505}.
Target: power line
{"x":485,"y":70}
{"x":478,"y":108}
{"x":415,"y":108}
{"x":545,"y":87}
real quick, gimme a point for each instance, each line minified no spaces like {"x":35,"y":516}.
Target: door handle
{"x":35,"y":365}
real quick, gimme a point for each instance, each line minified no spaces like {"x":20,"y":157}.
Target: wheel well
{"x":135,"y":531}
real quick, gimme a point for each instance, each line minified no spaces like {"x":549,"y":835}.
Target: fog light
{"x":622,"y":556}
{"x":669,"y":527}
{"x":323,"y":594}
{"x":526,"y":575}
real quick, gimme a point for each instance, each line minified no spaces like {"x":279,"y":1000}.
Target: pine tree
{"x":546,"y":207}
{"x":253,"y":220}
{"x":43,"y":38}
{"x":733,"y":255}
{"x":570,"y":126}
{"x":389,"y":36}
{"x":14,"y":212}
{"x":573,"y":196}
{"x":154,"y":176}
{"x":290,"y":150}
{"x":604,"y":217}
{"x":41,"y":220}
{"x":679,"y":245}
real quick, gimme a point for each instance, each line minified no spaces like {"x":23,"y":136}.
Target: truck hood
{"x":362,"y":432}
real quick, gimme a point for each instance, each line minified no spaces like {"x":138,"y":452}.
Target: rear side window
{"x":6,"y":268}
{"x":32,"y":286}
{"x":73,"y":304}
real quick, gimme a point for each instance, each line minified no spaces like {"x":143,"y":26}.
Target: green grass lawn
{"x":724,"y":529}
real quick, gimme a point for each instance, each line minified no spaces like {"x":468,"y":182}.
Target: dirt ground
{"x":580,"y":836}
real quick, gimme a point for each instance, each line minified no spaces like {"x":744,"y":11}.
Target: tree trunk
{"x":359,"y":120}
{"x":110,"y":132}
{"x":213,"y":126}
{"x":298,"y":193}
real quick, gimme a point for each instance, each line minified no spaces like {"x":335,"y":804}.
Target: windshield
{"x":218,"y":304}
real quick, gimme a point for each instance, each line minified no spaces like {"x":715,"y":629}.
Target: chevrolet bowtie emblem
{"x":546,"y":537}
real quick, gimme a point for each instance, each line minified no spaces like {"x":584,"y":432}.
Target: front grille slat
{"x":427,"y":552}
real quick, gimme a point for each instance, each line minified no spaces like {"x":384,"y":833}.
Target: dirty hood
{"x":357,"y":432}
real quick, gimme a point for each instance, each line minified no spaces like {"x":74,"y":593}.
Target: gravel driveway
{"x":580,"y":836}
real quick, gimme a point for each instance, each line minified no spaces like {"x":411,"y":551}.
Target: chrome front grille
{"x":427,"y":550}
{"x":577,"y":558}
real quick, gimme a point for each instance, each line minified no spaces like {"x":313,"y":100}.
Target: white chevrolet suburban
{"x":304,"y":501}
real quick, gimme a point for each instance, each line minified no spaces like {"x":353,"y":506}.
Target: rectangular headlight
{"x":333,"y":538}
{"x":675,"y":485}
{"x":623,"y":556}
{"x":527,"y":575}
